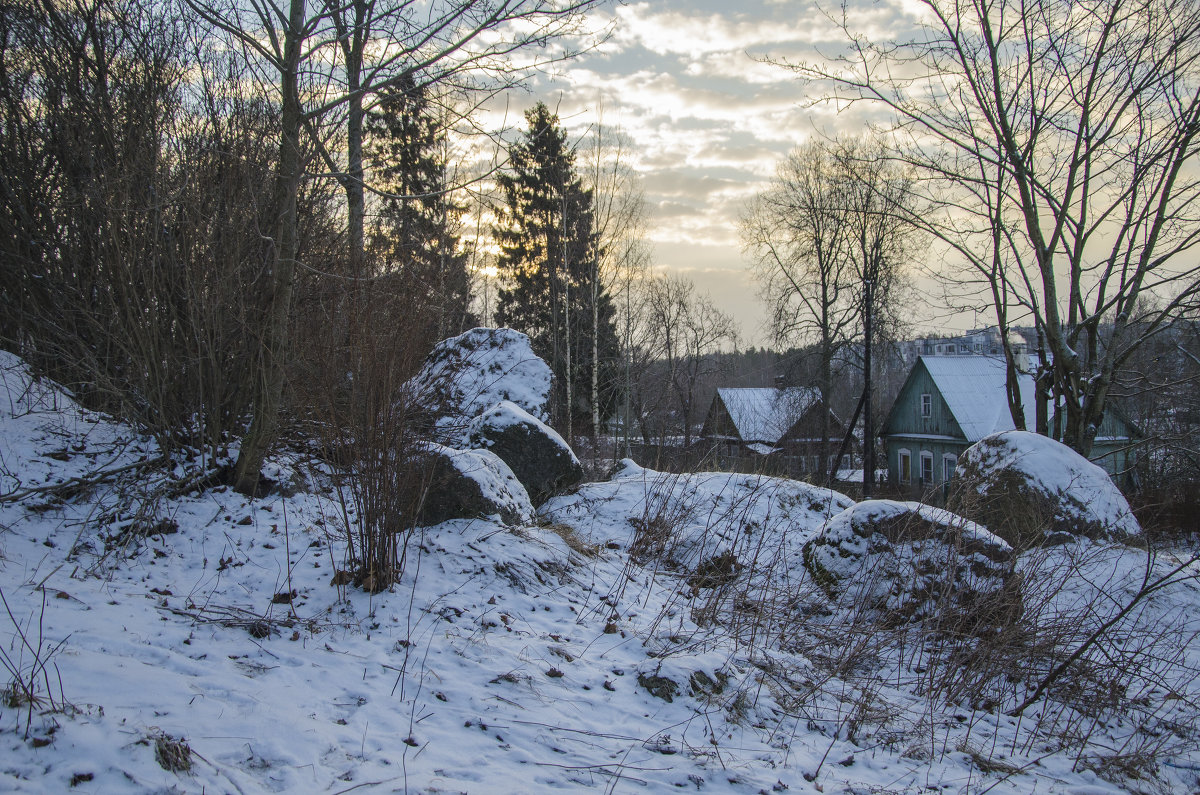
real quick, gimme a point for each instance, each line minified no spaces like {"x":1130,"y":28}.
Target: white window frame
{"x":949,"y":465}
{"x":904,"y":466}
{"x":927,"y":458}
{"x":926,"y":405}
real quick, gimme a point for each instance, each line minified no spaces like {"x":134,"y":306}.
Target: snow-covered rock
{"x":752,"y":524}
{"x":900,"y":561}
{"x":537,"y":455}
{"x":464,"y":484}
{"x":1030,"y":490}
{"x":465,"y":375}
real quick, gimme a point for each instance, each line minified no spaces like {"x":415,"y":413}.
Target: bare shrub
{"x":133,"y":257}
{"x":373,"y":424}
{"x":29,"y":667}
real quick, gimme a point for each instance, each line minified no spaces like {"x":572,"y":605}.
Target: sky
{"x":685,"y":81}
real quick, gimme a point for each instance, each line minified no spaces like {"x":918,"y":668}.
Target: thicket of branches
{"x":213,"y":217}
{"x":177,"y":208}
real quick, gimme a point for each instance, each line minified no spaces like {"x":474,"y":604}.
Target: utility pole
{"x":868,"y":418}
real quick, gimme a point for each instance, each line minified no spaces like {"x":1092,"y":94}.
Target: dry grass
{"x":173,"y":754}
{"x":1075,"y":643}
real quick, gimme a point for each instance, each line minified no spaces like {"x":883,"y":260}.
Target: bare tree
{"x":619,"y":214}
{"x":798,"y":235}
{"x":1059,"y":141}
{"x":324,"y":62}
{"x":831,"y":238}
{"x":689,"y":330}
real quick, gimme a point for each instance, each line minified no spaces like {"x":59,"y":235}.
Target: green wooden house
{"x":949,"y":403}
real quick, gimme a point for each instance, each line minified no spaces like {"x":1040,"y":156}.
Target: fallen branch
{"x":83,"y":481}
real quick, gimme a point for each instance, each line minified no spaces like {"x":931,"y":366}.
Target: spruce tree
{"x":548,"y":257}
{"x":413,"y":238}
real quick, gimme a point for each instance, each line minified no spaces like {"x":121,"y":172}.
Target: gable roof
{"x":974,"y":390}
{"x":764,"y":414}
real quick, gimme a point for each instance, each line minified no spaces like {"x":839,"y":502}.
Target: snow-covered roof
{"x":973,"y":388}
{"x":764,"y":414}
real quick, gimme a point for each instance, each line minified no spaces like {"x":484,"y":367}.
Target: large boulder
{"x":537,"y":455}
{"x":464,"y":376}
{"x":897,"y":562}
{"x":466,"y":484}
{"x":1032,"y":490}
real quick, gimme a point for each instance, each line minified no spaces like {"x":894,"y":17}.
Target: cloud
{"x":686,"y":82}
{"x":697,"y":34}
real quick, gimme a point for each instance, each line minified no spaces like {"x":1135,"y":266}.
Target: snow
{"x":507,"y":659}
{"x":1057,"y":471}
{"x":470,"y":373}
{"x":707,"y":513}
{"x":974,"y":390}
{"x":764,"y":415}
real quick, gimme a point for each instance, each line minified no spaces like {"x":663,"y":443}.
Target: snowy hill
{"x":646,"y":634}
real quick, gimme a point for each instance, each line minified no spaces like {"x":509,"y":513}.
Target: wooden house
{"x":785,"y":424}
{"x":949,"y":403}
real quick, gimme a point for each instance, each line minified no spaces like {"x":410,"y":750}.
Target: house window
{"x":949,"y":464}
{"x":905,"y":466}
{"x":926,"y":405}
{"x":926,"y":468}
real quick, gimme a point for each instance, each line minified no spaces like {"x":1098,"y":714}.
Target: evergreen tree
{"x":548,"y":259}
{"x":414,"y":236}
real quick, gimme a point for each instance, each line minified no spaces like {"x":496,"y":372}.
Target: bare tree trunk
{"x":569,"y":374}
{"x":596,"y":366}
{"x":353,"y":181}
{"x":269,"y":391}
{"x":826,"y":390}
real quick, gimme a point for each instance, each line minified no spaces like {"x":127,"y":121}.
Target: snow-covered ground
{"x":603,"y":646}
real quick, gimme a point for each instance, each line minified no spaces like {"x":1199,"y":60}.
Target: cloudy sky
{"x":684,"y":80}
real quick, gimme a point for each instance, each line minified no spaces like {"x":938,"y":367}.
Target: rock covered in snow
{"x":471,"y":483}
{"x":901,"y":561}
{"x":537,"y":455}
{"x":463,"y":376}
{"x":1032,"y":490}
{"x":710,"y":526}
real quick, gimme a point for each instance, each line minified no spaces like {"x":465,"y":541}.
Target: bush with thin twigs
{"x":373,"y":423}
{"x":29,"y":663}
{"x":130,"y":260}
